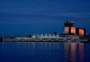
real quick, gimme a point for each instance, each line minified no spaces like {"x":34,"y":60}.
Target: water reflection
{"x":44,"y":52}
{"x":74,"y":52}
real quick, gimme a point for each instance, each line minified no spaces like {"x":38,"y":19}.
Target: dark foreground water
{"x":44,"y":52}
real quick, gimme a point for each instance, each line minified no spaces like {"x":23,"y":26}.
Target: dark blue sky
{"x":36,"y":16}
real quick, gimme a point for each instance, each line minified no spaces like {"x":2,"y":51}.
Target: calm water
{"x":44,"y":52}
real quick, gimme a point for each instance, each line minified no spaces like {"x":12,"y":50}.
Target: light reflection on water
{"x":42,"y":52}
{"x":74,"y":52}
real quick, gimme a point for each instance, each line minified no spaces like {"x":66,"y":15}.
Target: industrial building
{"x":70,"y":28}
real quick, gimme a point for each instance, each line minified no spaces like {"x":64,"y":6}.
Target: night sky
{"x":38,"y":16}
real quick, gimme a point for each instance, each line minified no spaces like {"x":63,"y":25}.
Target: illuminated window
{"x":66,"y":30}
{"x":73,"y":30}
{"x":81,"y":32}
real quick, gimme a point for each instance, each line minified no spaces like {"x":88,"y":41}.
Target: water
{"x":44,"y":52}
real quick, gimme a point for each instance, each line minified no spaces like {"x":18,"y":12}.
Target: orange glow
{"x":73,"y":30}
{"x":81,"y":32}
{"x":66,"y":30}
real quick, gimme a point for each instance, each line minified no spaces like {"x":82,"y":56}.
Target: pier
{"x":65,"y":38}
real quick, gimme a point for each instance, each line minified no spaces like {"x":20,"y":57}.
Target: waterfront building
{"x":41,"y":36}
{"x":57,"y":36}
{"x":46,"y":36}
{"x":33,"y":36}
{"x":70,"y":28}
{"x":49,"y":36}
{"x":81,"y":31}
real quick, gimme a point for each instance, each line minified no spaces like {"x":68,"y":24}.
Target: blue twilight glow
{"x":37,"y":16}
